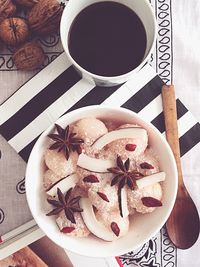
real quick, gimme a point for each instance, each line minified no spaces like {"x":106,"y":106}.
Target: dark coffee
{"x":107,"y":39}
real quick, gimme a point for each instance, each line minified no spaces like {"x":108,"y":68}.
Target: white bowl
{"x":142,"y":227}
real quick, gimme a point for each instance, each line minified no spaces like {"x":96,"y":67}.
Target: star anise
{"x":123,"y":176}
{"x":66,"y":203}
{"x":65,"y":141}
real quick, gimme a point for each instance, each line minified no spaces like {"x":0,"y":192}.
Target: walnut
{"x":7,"y":9}
{"x":44,"y":17}
{"x":27,"y":3}
{"x":29,"y":57}
{"x":14,"y":31}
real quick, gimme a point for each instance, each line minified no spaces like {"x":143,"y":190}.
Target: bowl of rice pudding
{"x":101,"y":181}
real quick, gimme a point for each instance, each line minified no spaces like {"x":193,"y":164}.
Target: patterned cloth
{"x":20,"y":125}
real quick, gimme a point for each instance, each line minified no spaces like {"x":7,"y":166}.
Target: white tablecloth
{"x":186,"y":36}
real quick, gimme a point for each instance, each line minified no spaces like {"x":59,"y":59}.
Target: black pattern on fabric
{"x":158,"y":122}
{"x":94,"y":97}
{"x":2,"y":216}
{"x":157,"y":252}
{"x":42,"y":100}
{"x":142,"y":255}
{"x":20,"y":187}
{"x":164,"y":51}
{"x":145,"y":95}
{"x":25,"y":152}
{"x":192,"y":136}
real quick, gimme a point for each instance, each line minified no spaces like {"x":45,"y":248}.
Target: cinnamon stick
{"x":171,"y":124}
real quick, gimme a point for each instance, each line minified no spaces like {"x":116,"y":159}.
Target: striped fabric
{"x":58,"y":89}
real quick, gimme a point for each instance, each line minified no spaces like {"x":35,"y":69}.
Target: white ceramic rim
{"x":106,"y":78}
{"x":119,"y":251}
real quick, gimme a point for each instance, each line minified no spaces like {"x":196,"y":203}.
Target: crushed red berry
{"x":151,"y":202}
{"x":67,"y":230}
{"x":146,"y":165}
{"x":115,"y":228}
{"x":103,"y":196}
{"x":91,"y":179}
{"x":130,"y":147}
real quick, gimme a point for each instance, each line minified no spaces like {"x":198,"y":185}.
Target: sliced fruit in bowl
{"x":98,"y":184}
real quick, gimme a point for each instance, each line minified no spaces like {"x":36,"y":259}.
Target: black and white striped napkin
{"x":58,"y":89}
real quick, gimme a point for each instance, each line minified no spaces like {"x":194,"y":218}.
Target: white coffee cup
{"x":144,"y":11}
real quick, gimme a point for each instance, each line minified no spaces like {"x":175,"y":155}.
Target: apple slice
{"x":93,"y":164}
{"x":64,"y":185}
{"x":124,"y":204}
{"x":151,"y":179}
{"x":94,"y":226}
{"x":133,"y":132}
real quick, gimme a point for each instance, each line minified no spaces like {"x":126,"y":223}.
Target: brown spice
{"x":67,"y":203}
{"x":65,"y":141}
{"x":123,"y":175}
{"x":14,"y":31}
{"x":27,"y":3}
{"x":44,"y":17}
{"x":7,"y":9}
{"x":29,"y":57}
